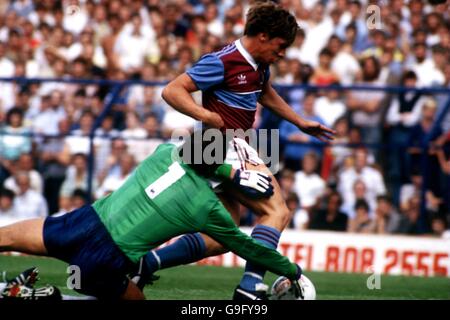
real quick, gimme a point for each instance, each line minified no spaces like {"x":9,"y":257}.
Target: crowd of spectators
{"x":369,"y":179}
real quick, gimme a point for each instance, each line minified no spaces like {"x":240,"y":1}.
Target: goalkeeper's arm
{"x":221,"y":228}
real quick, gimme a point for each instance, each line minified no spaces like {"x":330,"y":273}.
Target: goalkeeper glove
{"x":253,"y":183}
{"x":296,"y":288}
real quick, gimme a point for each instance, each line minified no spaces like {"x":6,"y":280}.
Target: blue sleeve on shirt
{"x":207,"y":72}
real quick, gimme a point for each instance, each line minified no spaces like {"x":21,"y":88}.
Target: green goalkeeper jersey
{"x":164,"y":198}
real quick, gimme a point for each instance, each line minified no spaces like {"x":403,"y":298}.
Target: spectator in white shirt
{"x":8,"y":24}
{"x":51,"y":112}
{"x":366,"y":105}
{"x":425,"y":68}
{"x":339,"y":149}
{"x":283,"y":75}
{"x":345,"y":65}
{"x":41,"y":16}
{"x":330,"y":106}
{"x":76,"y":16}
{"x":133,"y":128}
{"x":111,"y":163}
{"x":134,"y":46}
{"x":317,"y":29}
{"x":6,"y":88}
{"x":78,"y":141}
{"x":295,"y":50}
{"x":145,"y":147}
{"x":411,"y":189}
{"x":113,"y":181}
{"x":25,"y":163}
{"x":359,"y":192}
{"x":300,"y":217}
{"x":405,"y":109}
{"x":76,"y":177}
{"x":372,"y":179}
{"x":214,"y":23}
{"x":309,"y":186}
{"x":103,"y":136}
{"x":28,"y":203}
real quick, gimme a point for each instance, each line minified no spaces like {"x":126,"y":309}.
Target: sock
{"x":2,"y":286}
{"x":254,"y":274}
{"x":187,"y":249}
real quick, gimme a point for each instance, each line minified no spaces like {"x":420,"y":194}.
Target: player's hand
{"x":213,"y":120}
{"x":315,"y":129}
{"x":253,"y":183}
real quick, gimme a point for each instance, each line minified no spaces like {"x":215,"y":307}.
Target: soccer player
{"x":232,"y":81}
{"x":166,"y":196}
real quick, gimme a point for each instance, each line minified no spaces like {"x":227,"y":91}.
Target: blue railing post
{"x":108,"y":103}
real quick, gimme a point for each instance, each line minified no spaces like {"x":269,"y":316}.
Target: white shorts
{"x":239,"y":152}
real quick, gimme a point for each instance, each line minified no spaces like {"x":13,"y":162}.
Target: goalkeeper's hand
{"x":296,"y":288}
{"x":253,"y":183}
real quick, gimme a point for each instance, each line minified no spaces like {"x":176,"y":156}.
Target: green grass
{"x":206,"y":282}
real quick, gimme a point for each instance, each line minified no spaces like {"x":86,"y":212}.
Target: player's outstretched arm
{"x":177,"y":94}
{"x":221,"y":228}
{"x":272,"y":100}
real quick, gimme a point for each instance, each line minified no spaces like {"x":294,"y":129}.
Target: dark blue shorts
{"x":80,"y":239}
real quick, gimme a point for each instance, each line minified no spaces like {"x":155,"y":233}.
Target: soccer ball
{"x":282,"y":289}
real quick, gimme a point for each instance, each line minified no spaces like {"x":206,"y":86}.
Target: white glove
{"x":253,"y":183}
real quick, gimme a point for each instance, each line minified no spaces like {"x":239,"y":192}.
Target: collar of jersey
{"x":246,"y":54}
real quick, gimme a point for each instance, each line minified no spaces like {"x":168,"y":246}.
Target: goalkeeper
{"x":168,"y":195}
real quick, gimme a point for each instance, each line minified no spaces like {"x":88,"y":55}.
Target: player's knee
{"x":284,"y":215}
{"x":278,"y":219}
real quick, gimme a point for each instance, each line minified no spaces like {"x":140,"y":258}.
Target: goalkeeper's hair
{"x":272,"y":19}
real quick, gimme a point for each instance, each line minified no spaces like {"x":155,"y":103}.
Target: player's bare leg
{"x":272,"y":211}
{"x":25,"y":236}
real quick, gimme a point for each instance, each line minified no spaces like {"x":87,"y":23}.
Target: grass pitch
{"x":218,"y":283}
